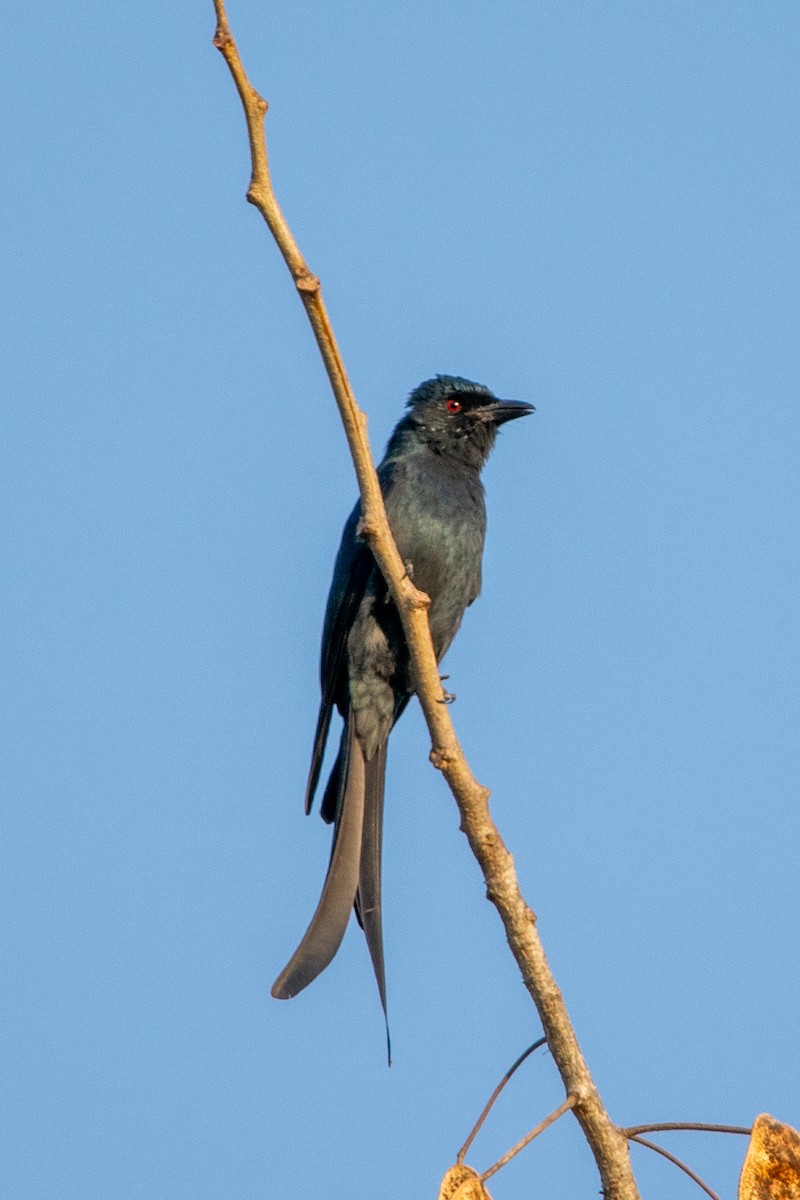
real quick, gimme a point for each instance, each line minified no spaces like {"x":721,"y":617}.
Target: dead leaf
{"x":771,"y":1168}
{"x":462,"y":1183}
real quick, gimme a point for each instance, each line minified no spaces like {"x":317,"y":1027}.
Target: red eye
{"x":452,"y":405}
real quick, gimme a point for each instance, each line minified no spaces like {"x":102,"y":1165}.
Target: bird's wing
{"x":351,"y":572}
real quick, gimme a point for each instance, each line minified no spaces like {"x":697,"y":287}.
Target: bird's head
{"x":458,"y":418}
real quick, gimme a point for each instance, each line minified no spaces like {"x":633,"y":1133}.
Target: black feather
{"x":430,"y":480}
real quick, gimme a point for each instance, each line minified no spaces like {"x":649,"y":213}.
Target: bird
{"x":434,"y":499}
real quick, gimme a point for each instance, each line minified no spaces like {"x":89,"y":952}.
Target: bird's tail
{"x":368,"y":896}
{"x":324,"y":935}
{"x":353,"y":800}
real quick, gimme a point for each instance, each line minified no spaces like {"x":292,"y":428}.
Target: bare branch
{"x":700,"y":1126}
{"x":523,"y":1142}
{"x":666,"y":1154}
{"x":490,"y":1102}
{"x":609,"y":1145}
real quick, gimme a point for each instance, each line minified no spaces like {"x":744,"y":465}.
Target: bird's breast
{"x":439,"y":528}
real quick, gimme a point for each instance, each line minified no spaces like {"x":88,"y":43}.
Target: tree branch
{"x":565,"y":1106}
{"x":462,"y":1154}
{"x":608,"y":1144}
{"x":697,"y":1126}
{"x":677,"y":1161}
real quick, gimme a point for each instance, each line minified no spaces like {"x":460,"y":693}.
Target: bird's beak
{"x":500,"y":411}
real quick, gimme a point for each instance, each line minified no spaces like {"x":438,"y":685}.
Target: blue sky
{"x":591,"y":207}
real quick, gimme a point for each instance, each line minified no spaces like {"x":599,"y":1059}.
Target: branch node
{"x":440,"y":758}
{"x":366,"y":530}
{"x":419,"y":601}
{"x":305,"y":281}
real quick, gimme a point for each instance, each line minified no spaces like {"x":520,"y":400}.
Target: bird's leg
{"x":447,"y":697}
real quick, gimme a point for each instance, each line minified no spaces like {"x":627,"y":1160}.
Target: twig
{"x":666,"y":1154}
{"x":700,"y":1126}
{"x":490,"y":1102}
{"x":608,"y":1144}
{"x":540,"y":1128}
